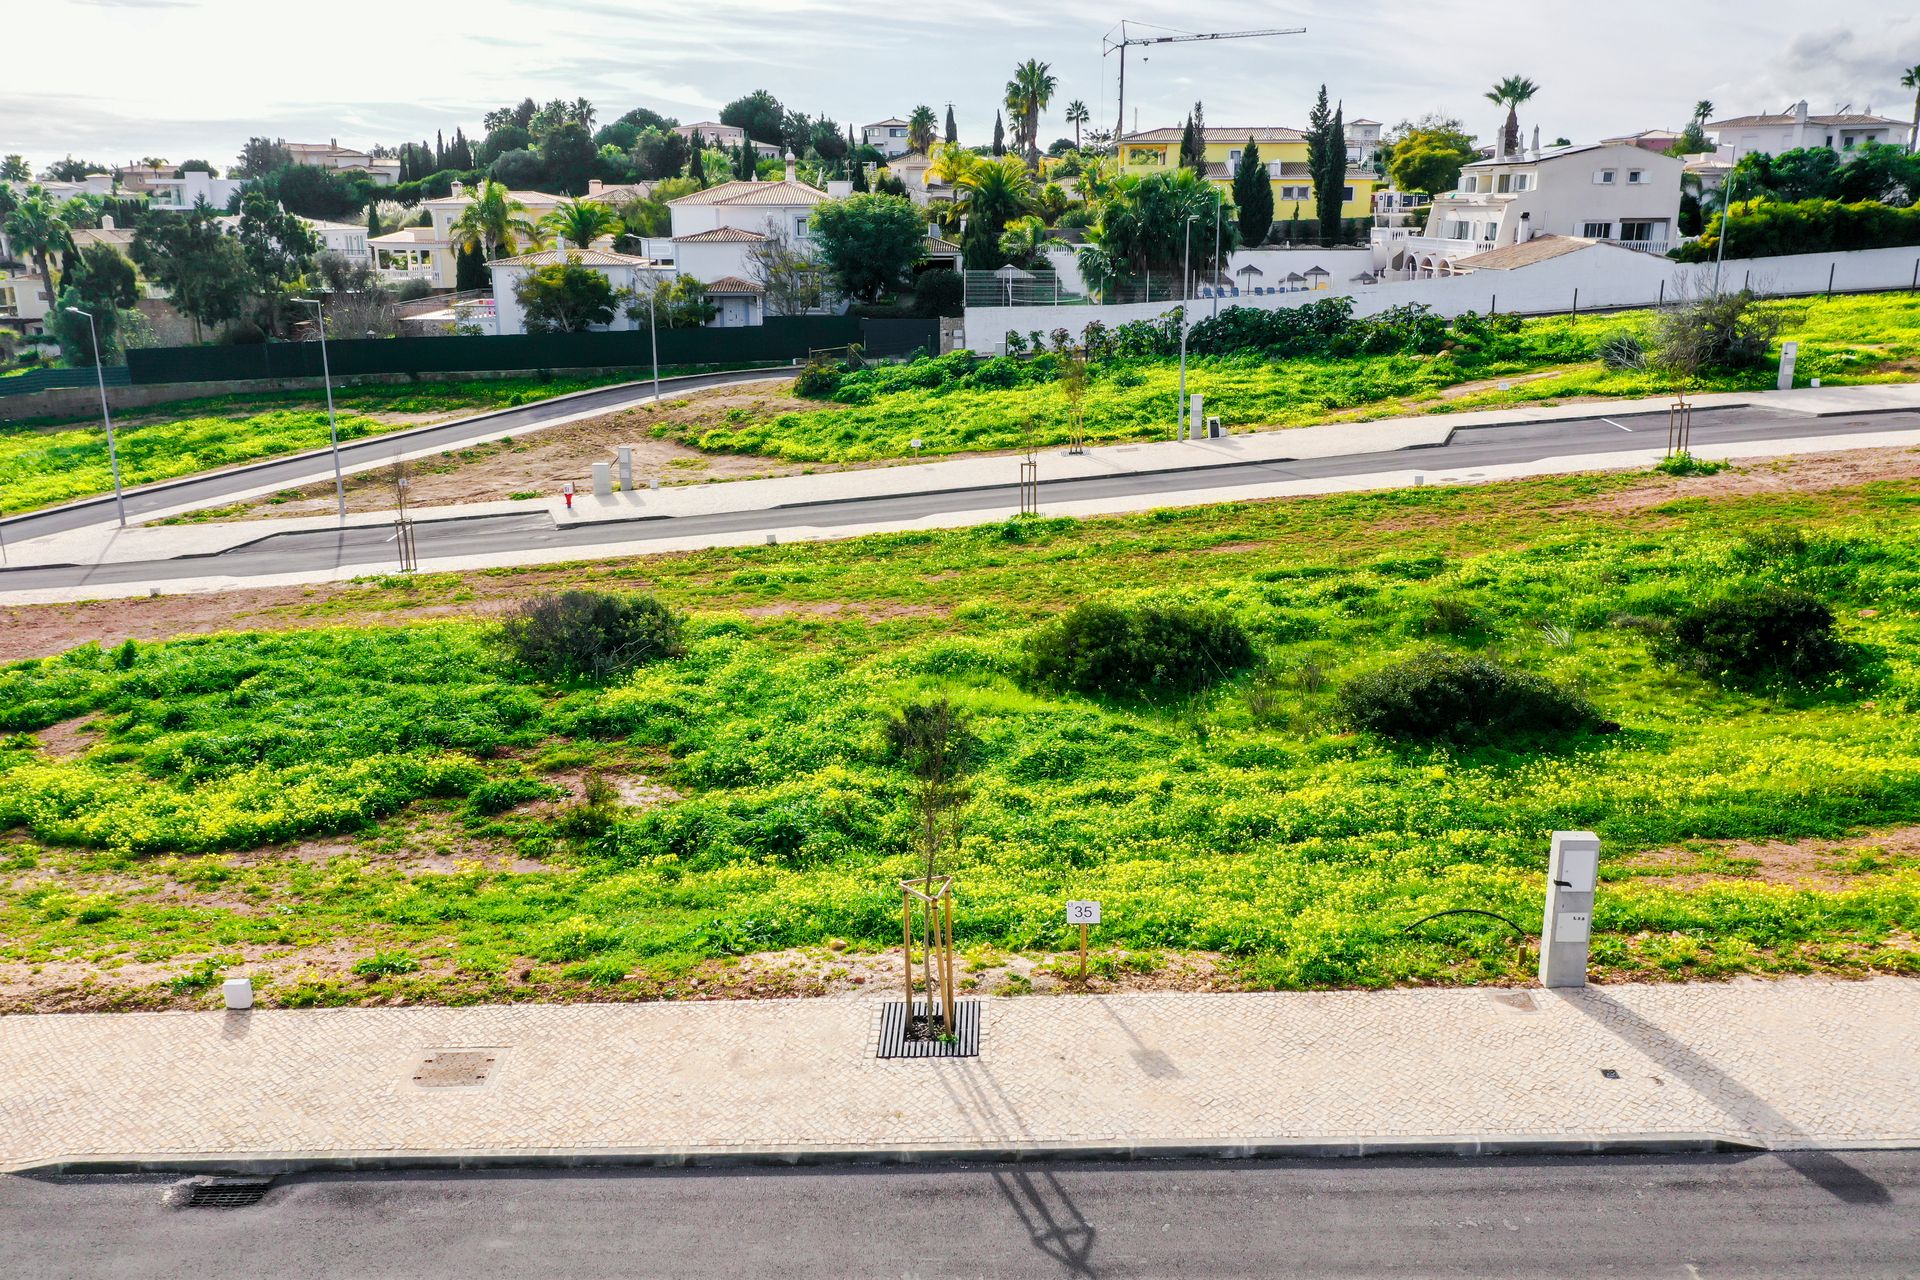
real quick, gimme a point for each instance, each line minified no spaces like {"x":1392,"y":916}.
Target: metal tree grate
{"x":455,"y":1068}
{"x":225,"y":1195}
{"x":894,"y":1041}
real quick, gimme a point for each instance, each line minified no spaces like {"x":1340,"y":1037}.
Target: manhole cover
{"x":455,"y":1068}
{"x":224,"y":1193}
{"x":897,"y":1042}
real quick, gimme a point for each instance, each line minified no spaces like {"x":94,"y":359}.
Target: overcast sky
{"x":114,"y":80}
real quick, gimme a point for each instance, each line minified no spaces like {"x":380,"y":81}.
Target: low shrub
{"x":591,"y":635}
{"x":1756,"y":637}
{"x":498,"y":795}
{"x":1686,"y":464}
{"x":1439,"y":694}
{"x":1142,"y":651}
{"x":819,"y":380}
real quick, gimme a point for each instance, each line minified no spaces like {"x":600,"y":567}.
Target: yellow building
{"x":1283,"y":151}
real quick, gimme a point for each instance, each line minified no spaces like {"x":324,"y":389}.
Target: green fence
{"x":780,"y":338}
{"x":48,"y":379}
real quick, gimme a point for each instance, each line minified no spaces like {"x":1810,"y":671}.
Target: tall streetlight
{"x":1219,"y":220}
{"x":113,"y":450}
{"x":333,"y":429}
{"x":1726,"y":223}
{"x":653,"y":337}
{"x":1180,"y":426}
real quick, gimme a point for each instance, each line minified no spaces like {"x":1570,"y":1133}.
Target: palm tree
{"x":1702,"y":109}
{"x":36,"y":228}
{"x":581,"y":222}
{"x":1910,"y":79}
{"x":920,"y":126}
{"x":1077,"y":115}
{"x":992,"y":194}
{"x":1028,"y":94}
{"x":1025,"y":242}
{"x":951,"y":162}
{"x":491,"y":221}
{"x":1510,"y":93}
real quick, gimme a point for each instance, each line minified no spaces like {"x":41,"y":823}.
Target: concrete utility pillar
{"x":1197,"y":418}
{"x":1573,"y":866}
{"x":603,"y":479}
{"x":1789,"y":354}
{"x":625,"y":454}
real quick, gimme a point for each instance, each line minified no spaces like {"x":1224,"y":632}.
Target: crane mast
{"x":1109,"y":44}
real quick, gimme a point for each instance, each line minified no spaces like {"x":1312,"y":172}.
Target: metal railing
{"x":1641,"y":246}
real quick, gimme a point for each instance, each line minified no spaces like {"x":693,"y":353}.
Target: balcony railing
{"x":1641,"y":246}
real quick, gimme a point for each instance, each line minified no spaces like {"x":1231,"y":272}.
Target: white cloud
{"x":196,"y":77}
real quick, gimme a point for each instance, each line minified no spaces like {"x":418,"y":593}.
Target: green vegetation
{"x":1009,"y":404}
{"x":43,"y":463}
{"x":1249,"y":820}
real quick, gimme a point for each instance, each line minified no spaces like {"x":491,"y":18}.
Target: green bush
{"x":1757,"y":637}
{"x":1439,"y":694}
{"x":1770,"y":228}
{"x":1142,"y":651}
{"x":819,"y":380}
{"x":591,"y":635}
{"x":501,"y":794}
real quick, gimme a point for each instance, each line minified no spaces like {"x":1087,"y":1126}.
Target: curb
{"x":267,"y":1164}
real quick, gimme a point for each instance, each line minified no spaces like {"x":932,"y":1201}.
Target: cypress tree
{"x":860,"y":175}
{"x":1253,"y":194}
{"x":373,"y":220}
{"x":999,"y":136}
{"x":1187,"y":146}
{"x":696,"y":160}
{"x":1327,"y":163}
{"x":953,"y":130}
{"x":439,"y":151}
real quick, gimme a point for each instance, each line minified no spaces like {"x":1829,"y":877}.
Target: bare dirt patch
{"x":1811,"y":864}
{"x":68,"y":738}
{"x":1803,"y":474}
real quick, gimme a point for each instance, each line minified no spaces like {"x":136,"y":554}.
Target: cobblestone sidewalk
{"x":1796,"y":1063}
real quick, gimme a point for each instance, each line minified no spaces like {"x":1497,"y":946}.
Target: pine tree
{"x":953,"y":130}
{"x":999,"y":135}
{"x":1253,"y":195}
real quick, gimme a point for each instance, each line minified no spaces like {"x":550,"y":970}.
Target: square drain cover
{"x":455,"y":1068}
{"x":896,"y":1042}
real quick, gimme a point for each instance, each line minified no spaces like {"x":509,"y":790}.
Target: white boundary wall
{"x":1604,"y":276}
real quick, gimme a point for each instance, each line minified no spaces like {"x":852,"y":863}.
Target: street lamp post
{"x":333,"y":429}
{"x":1726,"y":224}
{"x":1219,"y":220}
{"x":113,"y":450}
{"x":1181,"y":428}
{"x":653,"y":336}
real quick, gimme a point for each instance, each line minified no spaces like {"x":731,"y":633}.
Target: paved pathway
{"x":1786,"y":1064}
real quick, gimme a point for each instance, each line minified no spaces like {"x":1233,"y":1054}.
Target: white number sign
{"x":1083,"y":913}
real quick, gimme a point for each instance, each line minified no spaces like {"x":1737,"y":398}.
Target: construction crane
{"x":1109,"y":44}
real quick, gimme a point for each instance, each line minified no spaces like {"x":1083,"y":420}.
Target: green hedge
{"x":1769,"y":229}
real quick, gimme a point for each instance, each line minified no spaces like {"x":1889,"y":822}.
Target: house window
{"x":1636,"y":177}
{"x":800,"y":226}
{"x":1233,"y":157}
{"x":896,"y":133}
{"x":1603,"y":177}
{"x":1522,"y":181}
{"x":1597,"y":230}
{"x":1644,"y":230}
{"x":1846,"y":144}
{"x":1459,"y":231}
{"x":1505,"y":183}
{"x":1346,"y":194}
{"x":1469,"y":182}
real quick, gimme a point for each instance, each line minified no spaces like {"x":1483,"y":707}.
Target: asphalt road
{"x":301,"y":469}
{"x":1854,"y":1214}
{"x":1469,"y":450}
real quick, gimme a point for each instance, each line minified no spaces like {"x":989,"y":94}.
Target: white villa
{"x":624,"y":272}
{"x":1797,"y":127}
{"x":331,"y":155}
{"x":190,"y":189}
{"x":888,"y":137}
{"x":1611,"y":193}
{"x":714,"y":134}
{"x":714,"y":232}
{"x":426,"y":253}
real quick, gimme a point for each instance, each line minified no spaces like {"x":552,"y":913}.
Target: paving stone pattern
{"x":1793,"y":1063}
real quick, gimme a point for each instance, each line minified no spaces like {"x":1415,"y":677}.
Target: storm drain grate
{"x":455,"y":1068}
{"x":225,"y":1195}
{"x":895,"y":1041}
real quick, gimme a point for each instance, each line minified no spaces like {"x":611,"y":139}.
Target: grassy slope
{"x":1246,"y":823}
{"x":1851,"y":339}
{"x":46,"y":463}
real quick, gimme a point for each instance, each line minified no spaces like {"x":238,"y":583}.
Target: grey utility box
{"x":1573,"y":867}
